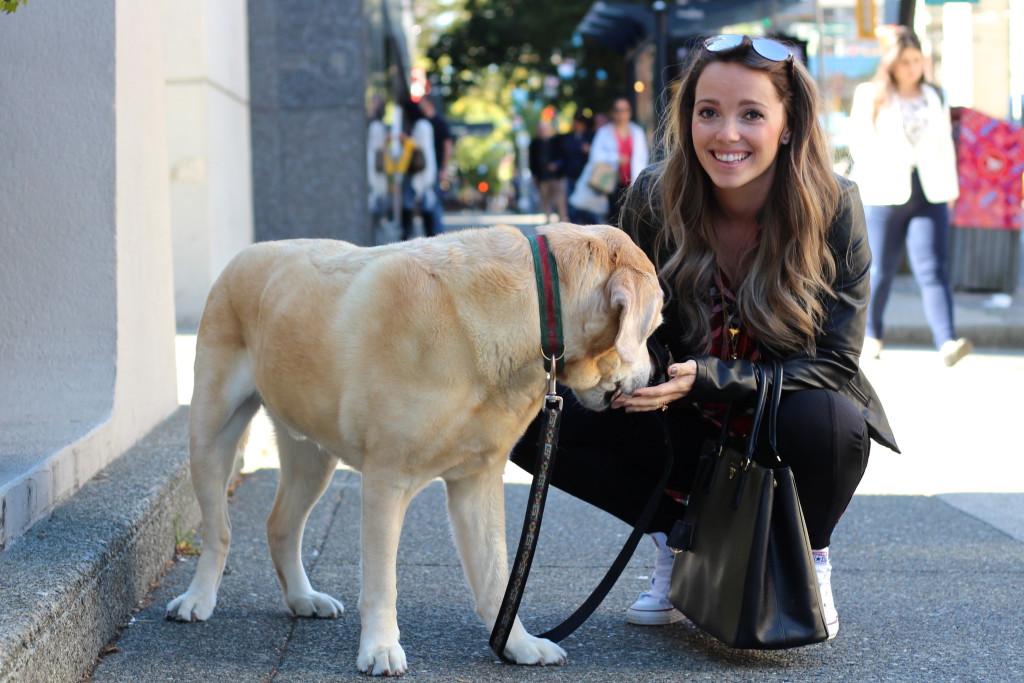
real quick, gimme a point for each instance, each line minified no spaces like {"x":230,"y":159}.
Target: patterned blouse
{"x":915,"y":117}
{"x":730,"y":340}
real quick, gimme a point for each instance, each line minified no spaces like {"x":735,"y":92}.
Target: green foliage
{"x":487,"y":159}
{"x":522,"y":43}
{"x":481,"y":158}
{"x":501,"y":62}
{"x":8,"y":6}
{"x":183,"y":540}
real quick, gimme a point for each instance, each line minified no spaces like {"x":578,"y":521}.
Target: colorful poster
{"x":990,"y":163}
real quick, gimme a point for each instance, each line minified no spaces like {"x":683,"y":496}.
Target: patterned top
{"x":730,"y":340}
{"x":915,"y":117}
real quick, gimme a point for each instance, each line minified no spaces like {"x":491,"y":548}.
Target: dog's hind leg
{"x":213,"y":449}
{"x":306,"y":471}
{"x":476,"y":506}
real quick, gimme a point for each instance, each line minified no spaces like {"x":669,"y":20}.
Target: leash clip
{"x":552,"y":396}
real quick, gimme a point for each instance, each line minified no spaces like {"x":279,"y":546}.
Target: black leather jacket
{"x":835,"y":365}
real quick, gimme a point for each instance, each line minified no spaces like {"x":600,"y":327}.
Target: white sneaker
{"x":652,"y":608}
{"x":823,"y":568}
{"x":954,"y":350}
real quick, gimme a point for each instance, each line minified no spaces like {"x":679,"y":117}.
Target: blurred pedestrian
{"x":762,"y":251}
{"x":546,"y":166}
{"x":418,"y":184}
{"x":443,"y":146}
{"x":378,"y":198}
{"x":904,"y":161}
{"x":575,"y":147}
{"x":622,"y":144}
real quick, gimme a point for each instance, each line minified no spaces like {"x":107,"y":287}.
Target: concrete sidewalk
{"x":929,"y":562}
{"x":926,"y":592}
{"x":929,"y":558}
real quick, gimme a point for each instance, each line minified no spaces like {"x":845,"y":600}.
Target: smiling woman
{"x":763,"y":252}
{"x":739,"y":122}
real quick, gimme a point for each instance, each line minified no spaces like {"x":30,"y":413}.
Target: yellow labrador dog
{"x":408,"y":362}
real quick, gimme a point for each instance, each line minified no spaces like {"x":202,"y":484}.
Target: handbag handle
{"x":773,"y":417}
{"x":762,"y":400}
{"x":763,"y":404}
{"x":748,"y":461}
{"x":758,"y":412}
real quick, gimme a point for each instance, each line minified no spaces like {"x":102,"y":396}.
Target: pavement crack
{"x":310,"y":564}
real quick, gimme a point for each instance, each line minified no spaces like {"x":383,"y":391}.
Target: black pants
{"x":613,"y":459}
{"x":429,"y":230}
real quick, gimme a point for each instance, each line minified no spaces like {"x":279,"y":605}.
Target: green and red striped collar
{"x":549,"y":298}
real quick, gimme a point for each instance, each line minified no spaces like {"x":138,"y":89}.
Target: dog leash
{"x":553,"y":348}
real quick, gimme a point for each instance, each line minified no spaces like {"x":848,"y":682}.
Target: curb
{"x":983,"y":337}
{"x":74,"y":579}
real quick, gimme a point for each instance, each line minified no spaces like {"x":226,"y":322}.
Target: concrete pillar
{"x":208,"y":142}
{"x":308,"y":66}
{"x":87,"y":331}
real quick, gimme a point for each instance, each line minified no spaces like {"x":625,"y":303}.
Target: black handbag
{"x":744,"y":571}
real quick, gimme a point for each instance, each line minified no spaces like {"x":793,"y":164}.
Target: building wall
{"x":87,"y":331}
{"x":308,"y":84}
{"x":99,"y":142}
{"x":972,"y":44}
{"x":208,"y":142}
{"x":992,"y":58}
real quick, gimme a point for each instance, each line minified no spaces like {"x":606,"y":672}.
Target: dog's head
{"x":611,"y":304}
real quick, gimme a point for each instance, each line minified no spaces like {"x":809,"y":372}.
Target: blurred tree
{"x":501,"y":62}
{"x":8,"y":6}
{"x":529,"y":44}
{"x":482,"y":158}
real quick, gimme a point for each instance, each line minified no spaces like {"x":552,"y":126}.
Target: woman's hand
{"x":659,"y":396}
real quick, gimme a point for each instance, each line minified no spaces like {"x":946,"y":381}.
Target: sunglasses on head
{"x":771,"y":50}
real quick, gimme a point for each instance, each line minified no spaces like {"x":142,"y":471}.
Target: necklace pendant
{"x":733,"y":331}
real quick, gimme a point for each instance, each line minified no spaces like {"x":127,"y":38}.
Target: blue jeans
{"x":922,"y":228}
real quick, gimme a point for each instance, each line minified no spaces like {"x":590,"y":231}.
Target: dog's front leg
{"x":476,"y":506}
{"x":383,"y":509}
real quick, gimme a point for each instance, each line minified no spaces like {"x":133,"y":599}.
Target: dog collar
{"x":549,"y":299}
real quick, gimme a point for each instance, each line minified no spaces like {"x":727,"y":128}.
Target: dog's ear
{"x":634,"y":314}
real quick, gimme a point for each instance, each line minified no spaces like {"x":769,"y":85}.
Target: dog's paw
{"x":191,"y":607}
{"x":534,"y":651}
{"x":382,"y":661}
{"x":315,"y":604}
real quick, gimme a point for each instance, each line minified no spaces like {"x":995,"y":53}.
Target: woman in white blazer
{"x":622,"y":144}
{"x":905,"y":165}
